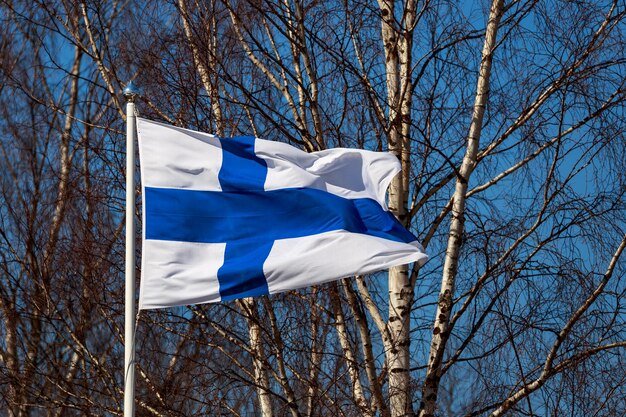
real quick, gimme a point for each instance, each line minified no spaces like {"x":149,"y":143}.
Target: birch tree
{"x":508,"y":120}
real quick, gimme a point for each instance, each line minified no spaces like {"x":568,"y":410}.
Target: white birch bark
{"x":350,"y":359}
{"x":261,"y":379}
{"x":281,"y":85}
{"x":440,"y":332}
{"x":201,"y":67}
{"x":279,"y":347}
{"x":316,"y":356}
{"x":377,"y":401}
{"x":98,"y":60}
{"x":9,"y":358}
{"x":300,"y":49}
{"x":397,"y":47}
{"x":41,"y":301}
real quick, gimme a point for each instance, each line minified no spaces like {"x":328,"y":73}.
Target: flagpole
{"x":130,"y":93}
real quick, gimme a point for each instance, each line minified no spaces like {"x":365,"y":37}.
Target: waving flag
{"x":240,"y":217}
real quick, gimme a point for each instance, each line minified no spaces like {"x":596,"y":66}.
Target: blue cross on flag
{"x":241,"y":217}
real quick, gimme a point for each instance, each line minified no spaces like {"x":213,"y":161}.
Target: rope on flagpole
{"x":130,"y":93}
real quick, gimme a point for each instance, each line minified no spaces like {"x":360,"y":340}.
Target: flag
{"x":227,"y":218}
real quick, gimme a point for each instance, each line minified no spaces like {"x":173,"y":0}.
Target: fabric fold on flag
{"x":227,"y":218}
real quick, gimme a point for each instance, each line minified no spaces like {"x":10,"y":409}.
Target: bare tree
{"x":507,"y":117}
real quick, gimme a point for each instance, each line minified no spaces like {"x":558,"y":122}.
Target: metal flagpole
{"x":131,"y":93}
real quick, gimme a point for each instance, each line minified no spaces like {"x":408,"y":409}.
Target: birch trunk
{"x":442,"y":318}
{"x":41,"y":301}
{"x":377,"y":401}
{"x":397,"y":48}
{"x":278,"y":351}
{"x":261,"y":379}
{"x":10,"y":358}
{"x":316,"y":356}
{"x":201,"y":67}
{"x":349,"y":356}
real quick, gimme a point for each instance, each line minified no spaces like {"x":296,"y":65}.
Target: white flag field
{"x":227,"y":218}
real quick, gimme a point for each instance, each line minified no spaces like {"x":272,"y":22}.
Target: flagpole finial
{"x":131,"y":92}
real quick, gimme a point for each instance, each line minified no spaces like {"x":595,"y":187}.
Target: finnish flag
{"x":240,"y":217}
